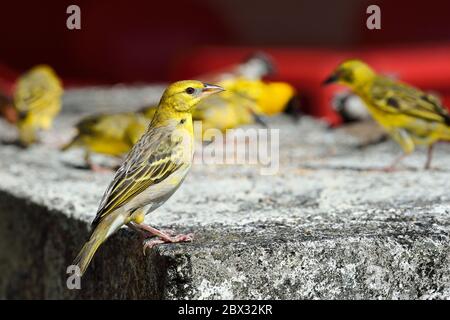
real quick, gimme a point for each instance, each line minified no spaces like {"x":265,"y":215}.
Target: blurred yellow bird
{"x":270,"y":97}
{"x":109,"y":134}
{"x":152,"y":171}
{"x":226,"y":110}
{"x":246,"y":98}
{"x":37,"y":99}
{"x":410,"y":116}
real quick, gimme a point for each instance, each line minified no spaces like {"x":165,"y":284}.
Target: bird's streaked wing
{"x":150,"y":161}
{"x":395,"y":98}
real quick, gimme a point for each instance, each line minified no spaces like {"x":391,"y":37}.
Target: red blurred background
{"x":147,"y":41}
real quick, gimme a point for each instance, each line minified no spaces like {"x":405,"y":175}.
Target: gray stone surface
{"x":326,"y":226}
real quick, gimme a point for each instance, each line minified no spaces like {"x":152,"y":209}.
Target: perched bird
{"x":410,"y":116}
{"x":152,"y":171}
{"x":246,"y":78}
{"x":37,"y":99}
{"x":247,"y":98}
{"x":239,"y":104}
{"x":110,"y":134}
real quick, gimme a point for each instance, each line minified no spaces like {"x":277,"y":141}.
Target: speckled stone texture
{"x":327,"y":225}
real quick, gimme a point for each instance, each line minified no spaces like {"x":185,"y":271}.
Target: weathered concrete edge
{"x":258,"y":262}
{"x":37,"y":245}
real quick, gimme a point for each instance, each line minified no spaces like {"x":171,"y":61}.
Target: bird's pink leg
{"x":163,"y":236}
{"x":429,"y":157}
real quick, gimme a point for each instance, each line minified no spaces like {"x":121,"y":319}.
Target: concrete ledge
{"x":324,"y":227}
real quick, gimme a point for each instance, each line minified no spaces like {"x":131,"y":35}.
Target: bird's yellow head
{"x":183,"y":96}
{"x":352,"y":73}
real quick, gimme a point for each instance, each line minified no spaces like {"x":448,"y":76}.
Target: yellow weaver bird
{"x":37,"y":100}
{"x":110,"y":134}
{"x":152,"y":171}
{"x":410,"y":116}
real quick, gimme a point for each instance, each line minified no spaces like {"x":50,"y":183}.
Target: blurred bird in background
{"x":109,"y":134}
{"x":410,"y":116}
{"x":244,"y":102}
{"x":37,"y":100}
{"x":152,"y":171}
{"x":247,"y":98}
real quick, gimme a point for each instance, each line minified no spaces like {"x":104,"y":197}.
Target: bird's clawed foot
{"x":163,"y":236}
{"x":150,"y":243}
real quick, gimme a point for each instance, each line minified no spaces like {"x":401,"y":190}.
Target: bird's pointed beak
{"x":331,"y":79}
{"x":209,"y":89}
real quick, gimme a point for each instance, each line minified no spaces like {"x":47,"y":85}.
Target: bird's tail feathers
{"x":102,"y":231}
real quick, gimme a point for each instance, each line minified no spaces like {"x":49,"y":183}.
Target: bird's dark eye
{"x":190,"y":90}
